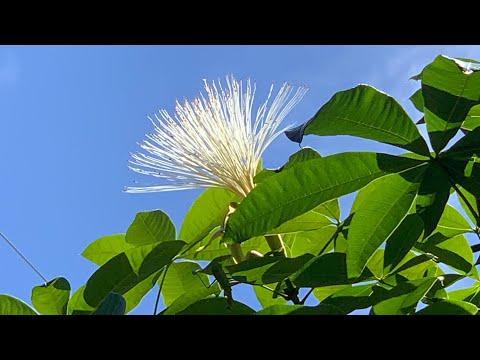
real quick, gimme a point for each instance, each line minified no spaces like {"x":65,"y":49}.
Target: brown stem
{"x":237,"y":253}
{"x":276,"y":244}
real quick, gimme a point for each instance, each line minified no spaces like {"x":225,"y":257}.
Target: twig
{"x":160,"y":289}
{"x":24,"y":258}
{"x":306,"y":296}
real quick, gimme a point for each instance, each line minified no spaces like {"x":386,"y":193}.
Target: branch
{"x":160,"y":289}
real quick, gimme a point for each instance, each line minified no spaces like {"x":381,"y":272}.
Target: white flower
{"x":213,"y":142}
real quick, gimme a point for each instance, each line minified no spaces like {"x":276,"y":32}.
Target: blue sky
{"x":71,"y":115}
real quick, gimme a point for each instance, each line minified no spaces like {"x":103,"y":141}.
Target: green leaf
{"x":438,"y":289}
{"x":323,"y":292}
{"x":401,"y":241}
{"x":150,"y":228}
{"x":311,"y":242}
{"x":471,"y":294}
{"x":328,"y":269}
{"x":367,"y":113}
{"x":10,"y":305}
{"x":52,"y":298}
{"x":113,"y":304}
{"x":190,"y":297}
{"x":402,"y":299}
{"x":472,"y":201}
{"x":378,"y":217}
{"x":217,"y":306}
{"x":218,"y":248}
{"x":105,"y":248}
{"x":466,"y":147}
{"x":301,"y":310}
{"x":134,"y":296}
{"x":449,"y":307}
{"x":465,"y":173}
{"x":77,"y":304}
{"x":432,"y":196}
{"x":417,"y":100}
{"x":375,"y":263}
{"x":312,"y":220}
{"x":414,"y":266}
{"x":351,"y":298}
{"x":303,"y":187}
{"x":472,"y":121}
{"x":180,"y":279}
{"x":266,"y":299}
{"x":455,"y":252}
{"x":268,"y":269}
{"x":452,"y":223}
{"x":306,"y":153}
{"x":330,"y":209}
{"x":449,"y":92}
{"x":206,"y":213}
{"x":128,"y":269}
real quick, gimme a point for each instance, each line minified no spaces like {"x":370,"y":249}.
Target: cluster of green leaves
{"x":384,"y":255}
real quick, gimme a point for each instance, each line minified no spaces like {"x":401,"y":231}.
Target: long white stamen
{"x":212,"y":140}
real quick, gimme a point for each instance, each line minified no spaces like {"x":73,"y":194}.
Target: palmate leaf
{"x":303,"y":187}
{"x":401,"y":299}
{"x":180,"y":278}
{"x":449,"y":91}
{"x":364,"y":112}
{"x":377,"y":218}
{"x":449,"y":307}
{"x":10,"y":305}
{"x":126,"y":270}
{"x":150,"y":227}
{"x":301,"y":310}
{"x":453,"y":251}
{"x":52,"y":298}
{"x":105,"y":248}
{"x":207,"y":213}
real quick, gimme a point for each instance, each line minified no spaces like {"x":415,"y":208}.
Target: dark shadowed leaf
{"x":217,"y":306}
{"x":449,"y":92}
{"x":303,"y":187}
{"x":325,"y":270}
{"x":364,"y":112}
{"x":449,"y":307}
{"x":52,"y":298}
{"x":417,"y":100}
{"x":150,"y":228}
{"x":401,"y":241}
{"x":123,"y":272}
{"x":77,"y":304}
{"x":403,"y":298}
{"x":432,"y":196}
{"x":474,"y":203}
{"x":267,"y":270}
{"x":301,"y":310}
{"x":351,"y":298}
{"x":113,"y":304}
{"x":190,"y":297}
{"x":455,"y":252}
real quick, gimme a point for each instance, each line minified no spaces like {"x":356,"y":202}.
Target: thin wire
{"x":24,"y":258}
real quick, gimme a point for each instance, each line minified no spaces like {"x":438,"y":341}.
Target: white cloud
{"x":9,"y":68}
